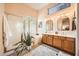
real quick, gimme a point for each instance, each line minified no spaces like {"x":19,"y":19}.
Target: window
{"x":30,"y":24}
{"x":58,"y":7}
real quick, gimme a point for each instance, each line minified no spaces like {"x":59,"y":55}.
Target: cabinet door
{"x":57,"y":42}
{"x":49,"y":40}
{"x":69,"y":45}
{"x":44,"y":39}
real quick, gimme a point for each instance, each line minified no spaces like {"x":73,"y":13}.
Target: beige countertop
{"x":73,"y":36}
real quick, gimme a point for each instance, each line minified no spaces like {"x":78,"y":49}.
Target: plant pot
{"x":29,"y":48}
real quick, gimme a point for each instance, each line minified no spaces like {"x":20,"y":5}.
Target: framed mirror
{"x":49,"y":25}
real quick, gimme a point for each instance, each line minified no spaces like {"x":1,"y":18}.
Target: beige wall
{"x":1,"y":14}
{"x":20,"y":9}
{"x":44,"y":10}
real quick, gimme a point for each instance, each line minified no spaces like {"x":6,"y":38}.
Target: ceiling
{"x":37,"y":6}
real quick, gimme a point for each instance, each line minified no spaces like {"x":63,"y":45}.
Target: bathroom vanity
{"x":66,"y":44}
{"x":61,"y":30}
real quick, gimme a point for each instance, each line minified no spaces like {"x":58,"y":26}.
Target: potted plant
{"x":29,"y":41}
{"x":21,"y":45}
{"x":25,"y":43}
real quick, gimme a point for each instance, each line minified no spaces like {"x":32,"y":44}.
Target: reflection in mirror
{"x":49,"y":25}
{"x":63,"y":24}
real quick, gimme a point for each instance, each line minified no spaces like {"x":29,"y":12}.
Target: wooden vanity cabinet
{"x":69,"y":45}
{"x":57,"y":42}
{"x":44,"y":39}
{"x":50,"y":40}
{"x":64,"y":43}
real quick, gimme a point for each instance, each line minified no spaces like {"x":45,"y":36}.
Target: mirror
{"x":63,"y":24}
{"x":49,"y":25}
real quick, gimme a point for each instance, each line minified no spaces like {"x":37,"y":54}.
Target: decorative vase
{"x":29,"y":48}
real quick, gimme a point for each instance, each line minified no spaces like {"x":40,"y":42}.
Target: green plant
{"x":22,"y":45}
{"x":28,"y":40}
